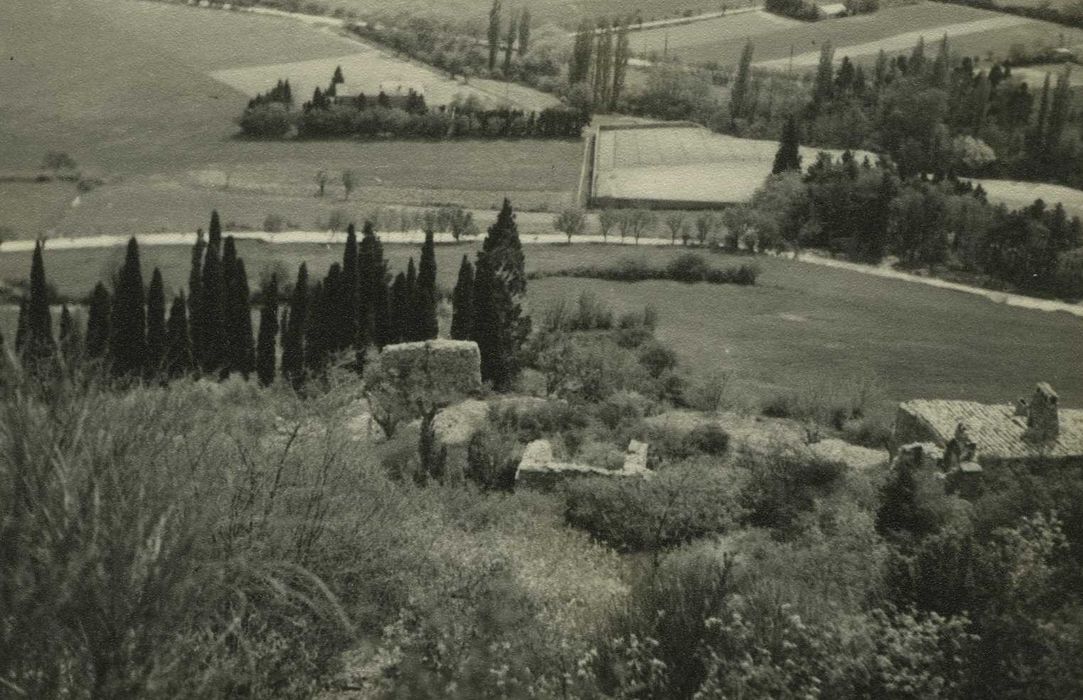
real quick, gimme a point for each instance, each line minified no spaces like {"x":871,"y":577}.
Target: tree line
{"x":931,"y":110}
{"x":598,"y":65}
{"x":329,"y":115}
{"x":357,"y":308}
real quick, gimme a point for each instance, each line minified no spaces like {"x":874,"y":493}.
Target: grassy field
{"x":683,"y":165}
{"x":976,"y":32}
{"x":701,"y":38}
{"x":140,"y":107}
{"x":803,"y":328}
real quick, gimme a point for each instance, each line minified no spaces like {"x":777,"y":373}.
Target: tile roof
{"x":996,"y":430}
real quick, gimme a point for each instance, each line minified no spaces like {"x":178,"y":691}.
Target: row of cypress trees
{"x":356,"y":306}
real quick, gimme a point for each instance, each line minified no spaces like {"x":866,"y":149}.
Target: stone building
{"x":1032,"y":431}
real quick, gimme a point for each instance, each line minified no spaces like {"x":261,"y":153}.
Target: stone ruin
{"x":538,"y":469}
{"x":1042,"y":414}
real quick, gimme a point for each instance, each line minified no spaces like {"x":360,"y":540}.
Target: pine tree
{"x":500,"y":326}
{"x":98,"y":323}
{"x":428,"y":326}
{"x":739,"y":93}
{"x":349,"y":330}
{"x":293,"y":342}
{"x":788,"y":156}
{"x":71,"y":341}
{"x":462,"y":303}
{"x":37,"y":344}
{"x":178,"y":347}
{"x":268,"y":333}
{"x":494,"y":33}
{"x":128,"y":341}
{"x":825,"y":76}
{"x":156,"y":331}
{"x":916,"y":64}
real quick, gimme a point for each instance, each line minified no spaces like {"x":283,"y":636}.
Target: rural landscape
{"x":541,"y":349}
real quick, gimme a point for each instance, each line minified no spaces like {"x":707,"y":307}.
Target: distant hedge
{"x":689,"y":268}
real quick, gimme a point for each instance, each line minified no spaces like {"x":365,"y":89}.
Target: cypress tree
{"x":494,"y":33}
{"x":155,"y":324}
{"x":374,"y":307}
{"x":212,"y":341}
{"x":315,"y":356}
{"x":98,"y":323}
{"x":1039,"y":135}
{"x":788,"y":156}
{"x":128,"y":341}
{"x":195,"y":287}
{"x":37,"y":343}
{"x":428,"y":327}
{"x":349,"y":330}
{"x":214,"y":232}
{"x":500,"y":326}
{"x":293,"y":343}
{"x":462,"y":303}
{"x":178,"y":359}
{"x":524,"y":31}
{"x":20,"y":327}
{"x":1058,"y":112}
{"x":71,"y":341}
{"x":400,"y":309}
{"x":739,"y":94}
{"x":239,"y":353}
{"x":825,"y":76}
{"x":410,"y":321}
{"x":268,"y":333}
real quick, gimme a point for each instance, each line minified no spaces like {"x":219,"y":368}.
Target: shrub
{"x":710,"y":438}
{"x":688,"y":268}
{"x":273,"y":223}
{"x":675,"y":506}
{"x":622,"y":408}
{"x":537,"y":421}
{"x":657,"y":358}
{"x":491,"y":460}
{"x":589,"y":314}
{"x":783,"y":486}
{"x":270,"y":120}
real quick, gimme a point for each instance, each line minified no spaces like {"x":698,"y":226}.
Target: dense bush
{"x":782,"y":487}
{"x":797,"y":9}
{"x":672,"y":507}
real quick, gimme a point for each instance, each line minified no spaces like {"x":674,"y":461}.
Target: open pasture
{"x":895,"y":29}
{"x":708,"y":35}
{"x":804,"y":327}
{"x":683,"y":165}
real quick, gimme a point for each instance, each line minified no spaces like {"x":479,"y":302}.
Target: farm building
{"x":1030,"y":431}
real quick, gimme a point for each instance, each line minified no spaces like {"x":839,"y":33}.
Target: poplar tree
{"x":509,"y":44}
{"x":524,"y":31}
{"x":739,"y":93}
{"x":621,"y":55}
{"x":293,"y":343}
{"x":494,"y":33}
{"x":500,"y":325}
{"x":128,"y":340}
{"x":582,"y":51}
{"x":428,"y":326}
{"x":462,"y":303}
{"x":603,"y":65}
{"x":178,"y":347}
{"x":156,"y":331}
{"x":98,"y":323}
{"x":788,"y":156}
{"x":268,"y":333}
{"x":36,"y":343}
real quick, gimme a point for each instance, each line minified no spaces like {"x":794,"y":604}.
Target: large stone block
{"x":435,"y":367}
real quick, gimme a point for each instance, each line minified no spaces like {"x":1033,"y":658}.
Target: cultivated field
{"x":896,"y":29}
{"x":140,"y":107}
{"x":804,"y":327}
{"x":683,"y":164}
{"x":1015,"y":194}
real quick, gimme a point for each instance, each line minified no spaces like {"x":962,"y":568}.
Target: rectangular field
{"x":683,"y":165}
{"x":701,"y":38}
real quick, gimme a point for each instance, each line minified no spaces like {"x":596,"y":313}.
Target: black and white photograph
{"x":541,"y":349}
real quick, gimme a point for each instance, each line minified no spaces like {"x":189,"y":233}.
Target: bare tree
{"x":607,"y":219}
{"x":321,"y":182}
{"x":349,"y":181}
{"x":706,"y":224}
{"x":677,"y":223}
